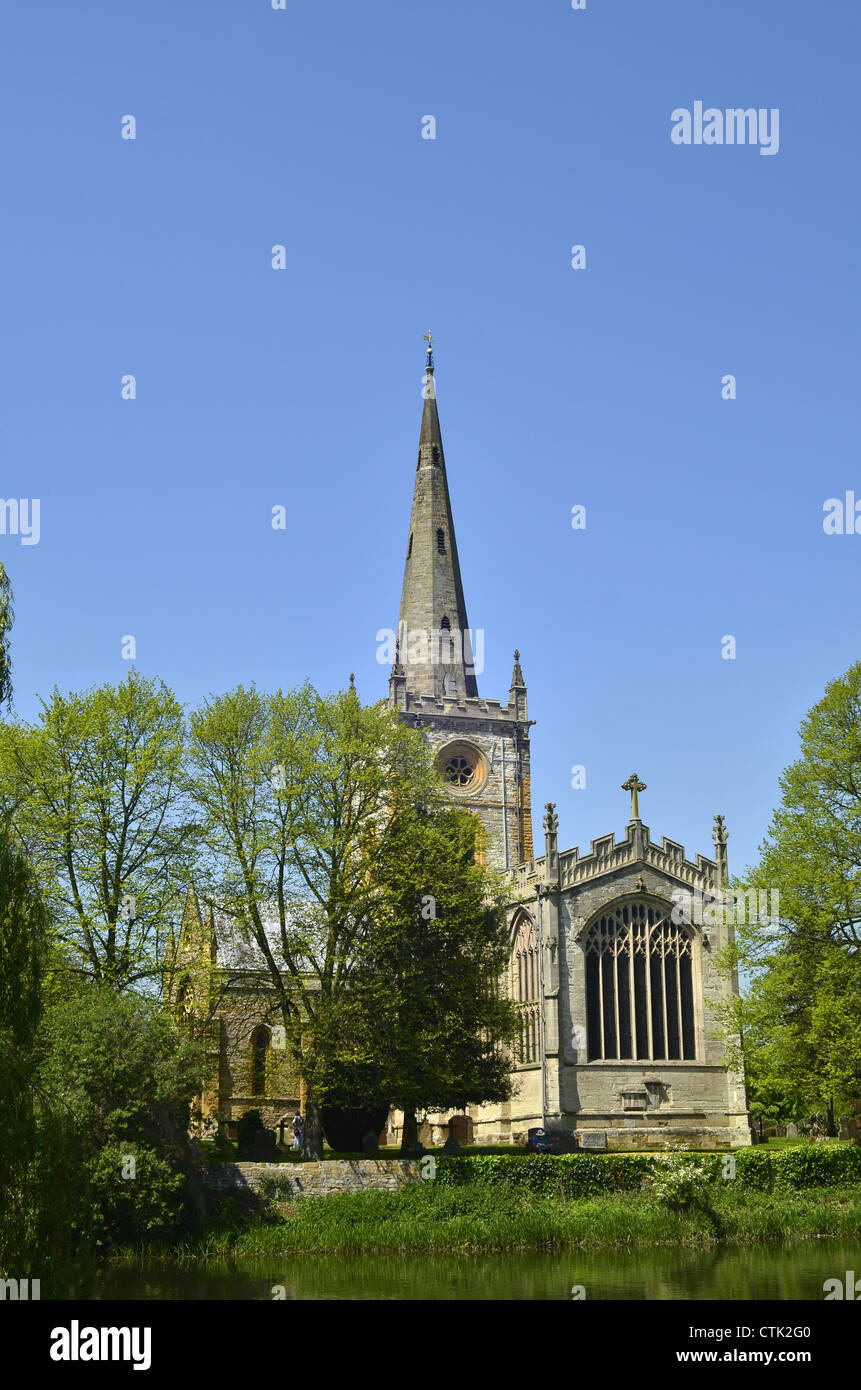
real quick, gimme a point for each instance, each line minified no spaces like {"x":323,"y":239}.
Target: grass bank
{"x":430,"y":1217}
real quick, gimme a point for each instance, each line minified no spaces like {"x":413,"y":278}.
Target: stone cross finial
{"x":634,"y":785}
{"x":551,"y":820}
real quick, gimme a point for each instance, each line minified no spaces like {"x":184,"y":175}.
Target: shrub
{"x":125,"y":1210}
{"x":588,"y":1175}
{"x":119,"y":1078}
{"x":680,"y":1181}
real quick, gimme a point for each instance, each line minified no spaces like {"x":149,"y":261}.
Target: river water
{"x":788,"y":1270}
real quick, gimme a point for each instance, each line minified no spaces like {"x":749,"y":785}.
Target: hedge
{"x":588,"y":1175}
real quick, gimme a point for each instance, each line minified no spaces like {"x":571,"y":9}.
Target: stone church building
{"x":618,"y":990}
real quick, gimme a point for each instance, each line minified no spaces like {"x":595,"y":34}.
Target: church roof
{"x":236,"y":947}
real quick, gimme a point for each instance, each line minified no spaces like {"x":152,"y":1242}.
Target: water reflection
{"x":781,"y":1271}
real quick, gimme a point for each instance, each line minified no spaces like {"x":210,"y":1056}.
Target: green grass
{"x":431,"y":1218}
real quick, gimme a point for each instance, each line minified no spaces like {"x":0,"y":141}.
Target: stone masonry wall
{"x":290,"y":1180}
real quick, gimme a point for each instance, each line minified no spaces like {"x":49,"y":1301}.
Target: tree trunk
{"x":313,"y":1147}
{"x":830,"y":1126}
{"x":410,"y":1131}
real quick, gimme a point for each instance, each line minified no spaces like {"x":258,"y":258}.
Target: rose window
{"x":459,"y":771}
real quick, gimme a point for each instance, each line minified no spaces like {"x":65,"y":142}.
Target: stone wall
{"x":290,"y":1180}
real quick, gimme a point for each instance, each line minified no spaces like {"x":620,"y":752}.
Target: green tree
{"x":6,"y":618}
{"x":94,"y":791}
{"x":427,"y":1007}
{"x":121,"y":1078}
{"x":24,"y":942}
{"x":299,"y":794}
{"x":800,"y":1015}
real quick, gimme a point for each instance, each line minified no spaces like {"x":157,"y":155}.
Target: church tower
{"x":481,"y":748}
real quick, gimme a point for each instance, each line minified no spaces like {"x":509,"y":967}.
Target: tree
{"x":812,"y":852}
{"x":801,"y":1014}
{"x":94,"y":790}
{"x":24,"y":941}
{"x":427,"y":1008}
{"x":299,"y":794}
{"x":6,"y":618}
{"x":121,"y":1078}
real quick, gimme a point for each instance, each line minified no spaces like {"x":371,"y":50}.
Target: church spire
{"x":435,"y":646}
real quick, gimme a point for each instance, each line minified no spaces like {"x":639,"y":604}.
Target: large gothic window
{"x":639,"y":986}
{"x":525,"y":988}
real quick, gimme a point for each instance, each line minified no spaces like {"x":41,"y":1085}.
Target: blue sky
{"x":556,"y":387}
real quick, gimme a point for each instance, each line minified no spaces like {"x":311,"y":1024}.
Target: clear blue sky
{"x":556,"y":387}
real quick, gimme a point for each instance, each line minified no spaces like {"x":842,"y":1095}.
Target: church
{"x":618,"y":991}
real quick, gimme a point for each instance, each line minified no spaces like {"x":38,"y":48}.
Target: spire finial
{"x":634,"y":785}
{"x":720,"y":835}
{"x":352,"y":681}
{"x":429,"y":340}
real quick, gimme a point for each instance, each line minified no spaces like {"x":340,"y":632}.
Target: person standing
{"x":298,"y":1131}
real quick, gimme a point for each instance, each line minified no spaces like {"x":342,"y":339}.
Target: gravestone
{"x":451,"y":1146}
{"x":593,"y":1139}
{"x":848,"y":1127}
{"x":792,"y":1131}
{"x":460,"y":1127}
{"x":371,"y":1144}
{"x":263,"y":1146}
